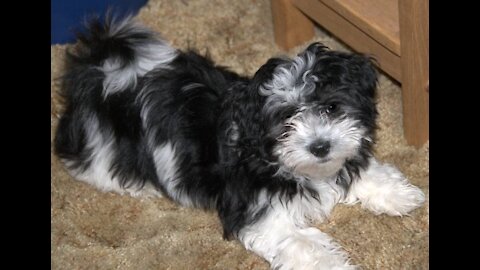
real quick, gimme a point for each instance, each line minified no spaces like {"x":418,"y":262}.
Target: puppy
{"x":271,"y":153}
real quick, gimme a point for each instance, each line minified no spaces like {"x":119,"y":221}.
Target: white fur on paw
{"x":311,"y":249}
{"x":383,"y":189}
{"x":397,"y":202}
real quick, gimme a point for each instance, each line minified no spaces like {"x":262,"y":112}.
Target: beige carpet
{"x":94,"y":230}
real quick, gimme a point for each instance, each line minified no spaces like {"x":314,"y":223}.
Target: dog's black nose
{"x":320,"y":148}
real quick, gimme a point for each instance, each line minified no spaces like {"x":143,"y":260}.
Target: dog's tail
{"x":108,"y":59}
{"x":121,"y":49}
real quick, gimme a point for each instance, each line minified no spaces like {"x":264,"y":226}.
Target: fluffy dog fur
{"x":272,"y":153}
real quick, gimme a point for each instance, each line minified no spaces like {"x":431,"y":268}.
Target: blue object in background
{"x":69,"y":15}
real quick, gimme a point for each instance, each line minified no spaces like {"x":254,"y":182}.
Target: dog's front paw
{"x":311,"y":249}
{"x":311,"y":265}
{"x":384,"y":190}
{"x":397,"y":202}
{"x":311,"y":262}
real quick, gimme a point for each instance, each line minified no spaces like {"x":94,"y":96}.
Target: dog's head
{"x":319,"y":110}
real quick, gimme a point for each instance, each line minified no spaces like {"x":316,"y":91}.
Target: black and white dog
{"x":272,"y":153}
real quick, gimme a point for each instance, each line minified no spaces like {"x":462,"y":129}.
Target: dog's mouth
{"x":319,"y":169}
{"x":323,"y":160}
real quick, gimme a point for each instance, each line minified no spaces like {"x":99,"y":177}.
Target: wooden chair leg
{"x":414,"y":57}
{"x":291,"y":27}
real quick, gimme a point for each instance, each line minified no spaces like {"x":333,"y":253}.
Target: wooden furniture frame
{"x":395,"y":32}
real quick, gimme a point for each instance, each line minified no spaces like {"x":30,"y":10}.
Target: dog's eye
{"x":331,"y":108}
{"x":288,"y":113}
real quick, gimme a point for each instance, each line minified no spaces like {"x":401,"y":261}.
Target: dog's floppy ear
{"x":316,"y":48}
{"x":342,"y":68}
{"x":365,"y":73}
{"x":265,"y":73}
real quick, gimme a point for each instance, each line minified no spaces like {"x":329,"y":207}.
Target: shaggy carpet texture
{"x":95,"y":230}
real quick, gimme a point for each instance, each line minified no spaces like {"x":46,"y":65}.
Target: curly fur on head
{"x":270,"y":153}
